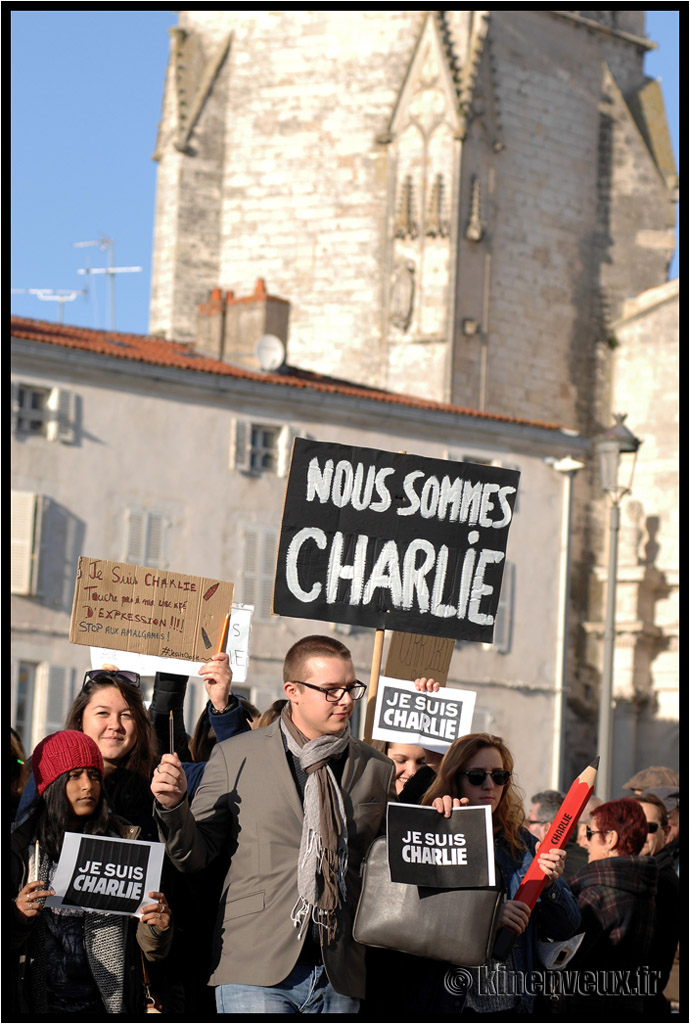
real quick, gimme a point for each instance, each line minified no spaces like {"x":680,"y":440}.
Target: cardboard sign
{"x":237,"y":647}
{"x":414,"y":655}
{"x":126,"y":607}
{"x":393,"y":541}
{"x":106,"y":874}
{"x":426,"y":849}
{"x":432,"y":720}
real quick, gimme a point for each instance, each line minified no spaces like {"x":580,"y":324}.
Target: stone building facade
{"x":456,"y":205}
{"x":443,"y":232}
{"x":141,"y":450}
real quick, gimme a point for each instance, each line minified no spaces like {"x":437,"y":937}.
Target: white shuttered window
{"x":55,"y":689}
{"x":258,"y":570}
{"x":145,"y":535}
{"x":25,"y":529}
{"x":44,"y":412}
{"x":261,"y":448}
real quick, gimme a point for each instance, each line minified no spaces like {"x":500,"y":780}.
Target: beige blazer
{"x":248,"y":804}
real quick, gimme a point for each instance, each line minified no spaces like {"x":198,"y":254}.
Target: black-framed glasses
{"x":102,"y":675}
{"x":653,"y":826}
{"x":476,"y":776}
{"x":589,"y":832}
{"x":335,"y":693}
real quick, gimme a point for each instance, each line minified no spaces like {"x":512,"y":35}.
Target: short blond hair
{"x":311,"y":647}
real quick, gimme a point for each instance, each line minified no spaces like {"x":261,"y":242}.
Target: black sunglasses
{"x":653,"y":826}
{"x":476,"y":776}
{"x":589,"y":832}
{"x":102,"y":675}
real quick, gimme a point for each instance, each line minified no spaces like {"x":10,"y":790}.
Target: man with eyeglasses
{"x":296,"y":805}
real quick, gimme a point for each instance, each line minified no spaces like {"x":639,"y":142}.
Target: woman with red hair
{"x":615,"y":893}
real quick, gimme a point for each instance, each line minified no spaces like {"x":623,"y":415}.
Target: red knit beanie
{"x":63,"y":752}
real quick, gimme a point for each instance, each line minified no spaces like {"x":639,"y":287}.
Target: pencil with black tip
{"x":559,"y":833}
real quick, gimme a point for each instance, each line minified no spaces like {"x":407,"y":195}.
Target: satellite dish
{"x":270,"y":352}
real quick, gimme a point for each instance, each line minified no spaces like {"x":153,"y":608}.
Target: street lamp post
{"x":616,"y":447}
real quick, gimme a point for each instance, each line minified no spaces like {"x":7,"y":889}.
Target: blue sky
{"x":86,"y":96}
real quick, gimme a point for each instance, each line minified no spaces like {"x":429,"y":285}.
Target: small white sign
{"x":106,"y":874}
{"x":434,"y":720}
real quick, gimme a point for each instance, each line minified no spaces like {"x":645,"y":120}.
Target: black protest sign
{"x":106,"y":874}
{"x":398,"y":542}
{"x":433,"y":720}
{"x":426,"y":849}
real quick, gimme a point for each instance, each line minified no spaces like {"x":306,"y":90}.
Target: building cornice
{"x":310,"y":399}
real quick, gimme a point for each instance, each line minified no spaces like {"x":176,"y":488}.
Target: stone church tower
{"x":452,"y":203}
{"x":455,"y":204}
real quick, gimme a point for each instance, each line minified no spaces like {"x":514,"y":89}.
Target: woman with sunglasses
{"x":616,"y":895}
{"x":477,"y":771}
{"x":110,"y":709}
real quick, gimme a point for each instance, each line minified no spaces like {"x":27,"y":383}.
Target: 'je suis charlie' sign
{"x":398,"y":542}
{"x":424,"y":848}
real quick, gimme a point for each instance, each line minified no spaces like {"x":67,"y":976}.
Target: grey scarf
{"x":322,"y":864}
{"x":105,"y":939}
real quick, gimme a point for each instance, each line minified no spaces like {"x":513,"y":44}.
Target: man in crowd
{"x":649,"y":778}
{"x":545,"y":807}
{"x":296,"y":805}
{"x":667,"y":920}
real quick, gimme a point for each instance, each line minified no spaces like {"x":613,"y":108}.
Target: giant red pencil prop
{"x":558,"y":835}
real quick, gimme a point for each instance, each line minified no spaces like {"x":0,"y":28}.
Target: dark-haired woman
{"x":70,"y":961}
{"x":19,"y":772}
{"x":110,"y":710}
{"x":477,"y":771}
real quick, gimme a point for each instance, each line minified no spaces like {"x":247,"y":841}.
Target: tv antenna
{"x":106,"y":243}
{"x":60,"y":295}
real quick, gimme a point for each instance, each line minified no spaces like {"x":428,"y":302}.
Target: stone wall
{"x":320,"y":128}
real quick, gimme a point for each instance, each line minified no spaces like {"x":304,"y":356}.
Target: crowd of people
{"x":267,"y":819}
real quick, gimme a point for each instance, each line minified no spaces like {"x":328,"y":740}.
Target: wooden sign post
{"x":373,"y":683}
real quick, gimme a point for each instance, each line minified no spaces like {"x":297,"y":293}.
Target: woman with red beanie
{"x":70,"y":961}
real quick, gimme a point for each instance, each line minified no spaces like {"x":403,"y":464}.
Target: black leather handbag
{"x":455,"y":925}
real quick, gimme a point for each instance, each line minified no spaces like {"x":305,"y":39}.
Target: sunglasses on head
{"x":102,"y":675}
{"x":476,"y":776}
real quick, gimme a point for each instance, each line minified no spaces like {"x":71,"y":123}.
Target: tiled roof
{"x":143,"y":348}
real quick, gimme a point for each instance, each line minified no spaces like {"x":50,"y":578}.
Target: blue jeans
{"x":305,"y":990}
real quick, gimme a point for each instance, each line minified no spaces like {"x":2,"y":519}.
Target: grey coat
{"x":248,"y":805}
